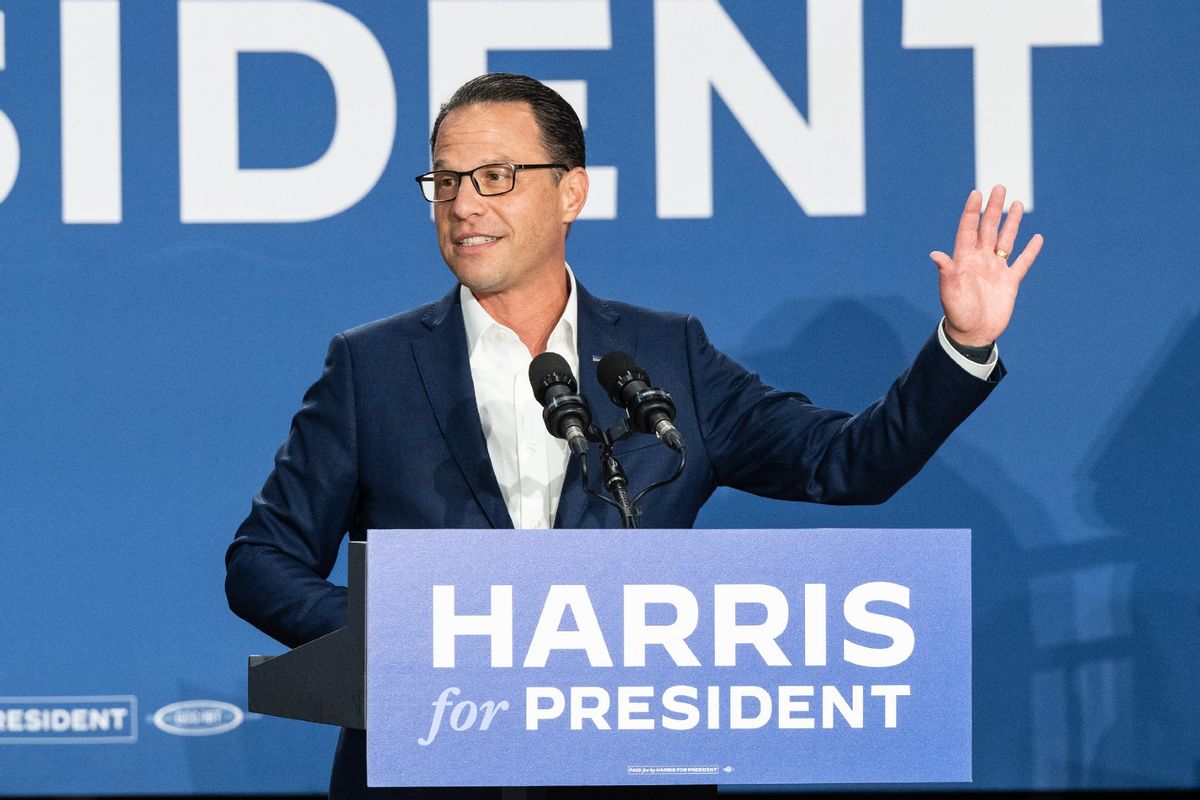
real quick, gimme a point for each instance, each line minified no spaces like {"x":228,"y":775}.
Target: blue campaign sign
{"x":705,"y":656}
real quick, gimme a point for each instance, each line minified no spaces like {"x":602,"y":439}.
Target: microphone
{"x":566,"y":413}
{"x":628,"y":385}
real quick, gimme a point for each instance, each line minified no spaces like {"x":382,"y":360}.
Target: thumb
{"x":943,"y":261}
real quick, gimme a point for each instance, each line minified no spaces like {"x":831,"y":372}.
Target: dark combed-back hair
{"x":561,"y":133}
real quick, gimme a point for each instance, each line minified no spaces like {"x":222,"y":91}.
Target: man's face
{"x":513,"y":241}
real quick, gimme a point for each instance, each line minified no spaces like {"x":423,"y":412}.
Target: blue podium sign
{"x":572,"y":657}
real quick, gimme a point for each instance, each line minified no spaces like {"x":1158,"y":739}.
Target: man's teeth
{"x":471,"y":241}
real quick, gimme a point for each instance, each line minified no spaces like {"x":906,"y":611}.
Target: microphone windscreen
{"x":612,"y":367}
{"x":546,"y":370}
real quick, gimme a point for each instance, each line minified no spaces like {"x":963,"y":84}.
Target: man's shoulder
{"x":418,"y":322}
{"x":403,"y":326}
{"x":618,"y":310}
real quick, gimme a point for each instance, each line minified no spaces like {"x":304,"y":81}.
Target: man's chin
{"x":480,"y":282}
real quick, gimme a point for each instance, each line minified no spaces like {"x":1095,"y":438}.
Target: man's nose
{"x":468,"y":201}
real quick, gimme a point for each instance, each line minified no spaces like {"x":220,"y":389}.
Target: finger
{"x":991,"y":218}
{"x":968,"y":224}
{"x":1008,"y":234}
{"x":1027,"y":257}
{"x":943,"y":261}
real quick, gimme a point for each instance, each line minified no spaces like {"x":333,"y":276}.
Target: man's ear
{"x":573,"y":192}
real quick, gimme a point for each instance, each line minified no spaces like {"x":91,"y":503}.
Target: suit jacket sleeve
{"x":281,"y":556}
{"x":778,"y":444}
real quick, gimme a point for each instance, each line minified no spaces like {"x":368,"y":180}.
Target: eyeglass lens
{"x":488,"y":179}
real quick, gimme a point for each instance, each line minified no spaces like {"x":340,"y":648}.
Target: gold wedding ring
{"x":1001,"y":252}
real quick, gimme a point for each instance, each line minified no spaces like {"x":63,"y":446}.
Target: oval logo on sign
{"x":198,"y":718}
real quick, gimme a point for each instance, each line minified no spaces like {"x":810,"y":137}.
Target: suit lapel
{"x":441,"y":358}
{"x":598,"y":335}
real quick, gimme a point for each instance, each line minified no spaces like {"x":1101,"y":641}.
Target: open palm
{"x":978,"y":286}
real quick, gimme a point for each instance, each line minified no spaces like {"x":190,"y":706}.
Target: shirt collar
{"x":477,"y":321}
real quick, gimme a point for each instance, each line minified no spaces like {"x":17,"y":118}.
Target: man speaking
{"x":426,"y":419}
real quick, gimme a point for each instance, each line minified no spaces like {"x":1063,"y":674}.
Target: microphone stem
{"x":616,"y":482}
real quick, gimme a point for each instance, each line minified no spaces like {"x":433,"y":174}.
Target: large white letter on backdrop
{"x":461,"y":32}
{"x":10,"y":145}
{"x":1002,"y":33}
{"x":698,"y":48}
{"x":91,"y":110}
{"x":213,"y":188}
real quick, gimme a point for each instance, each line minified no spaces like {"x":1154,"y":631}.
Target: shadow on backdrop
{"x":844,"y":354}
{"x":1141,"y":482}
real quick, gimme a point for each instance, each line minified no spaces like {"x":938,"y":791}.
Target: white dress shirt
{"x":529,"y":463}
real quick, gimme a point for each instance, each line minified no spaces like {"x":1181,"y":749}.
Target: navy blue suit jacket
{"x":389,"y":437}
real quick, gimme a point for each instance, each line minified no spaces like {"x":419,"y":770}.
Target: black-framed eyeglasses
{"x":442,"y":185}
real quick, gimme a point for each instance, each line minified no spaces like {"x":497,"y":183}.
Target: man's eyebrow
{"x":501,"y":159}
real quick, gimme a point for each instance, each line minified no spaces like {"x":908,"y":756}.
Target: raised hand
{"x":978,"y":286}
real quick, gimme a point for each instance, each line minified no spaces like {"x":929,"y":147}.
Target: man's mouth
{"x":473,"y":241}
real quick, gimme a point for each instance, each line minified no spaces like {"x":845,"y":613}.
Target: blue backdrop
{"x":154,"y":352}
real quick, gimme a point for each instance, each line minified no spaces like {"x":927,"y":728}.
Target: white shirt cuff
{"x":981,"y":371}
